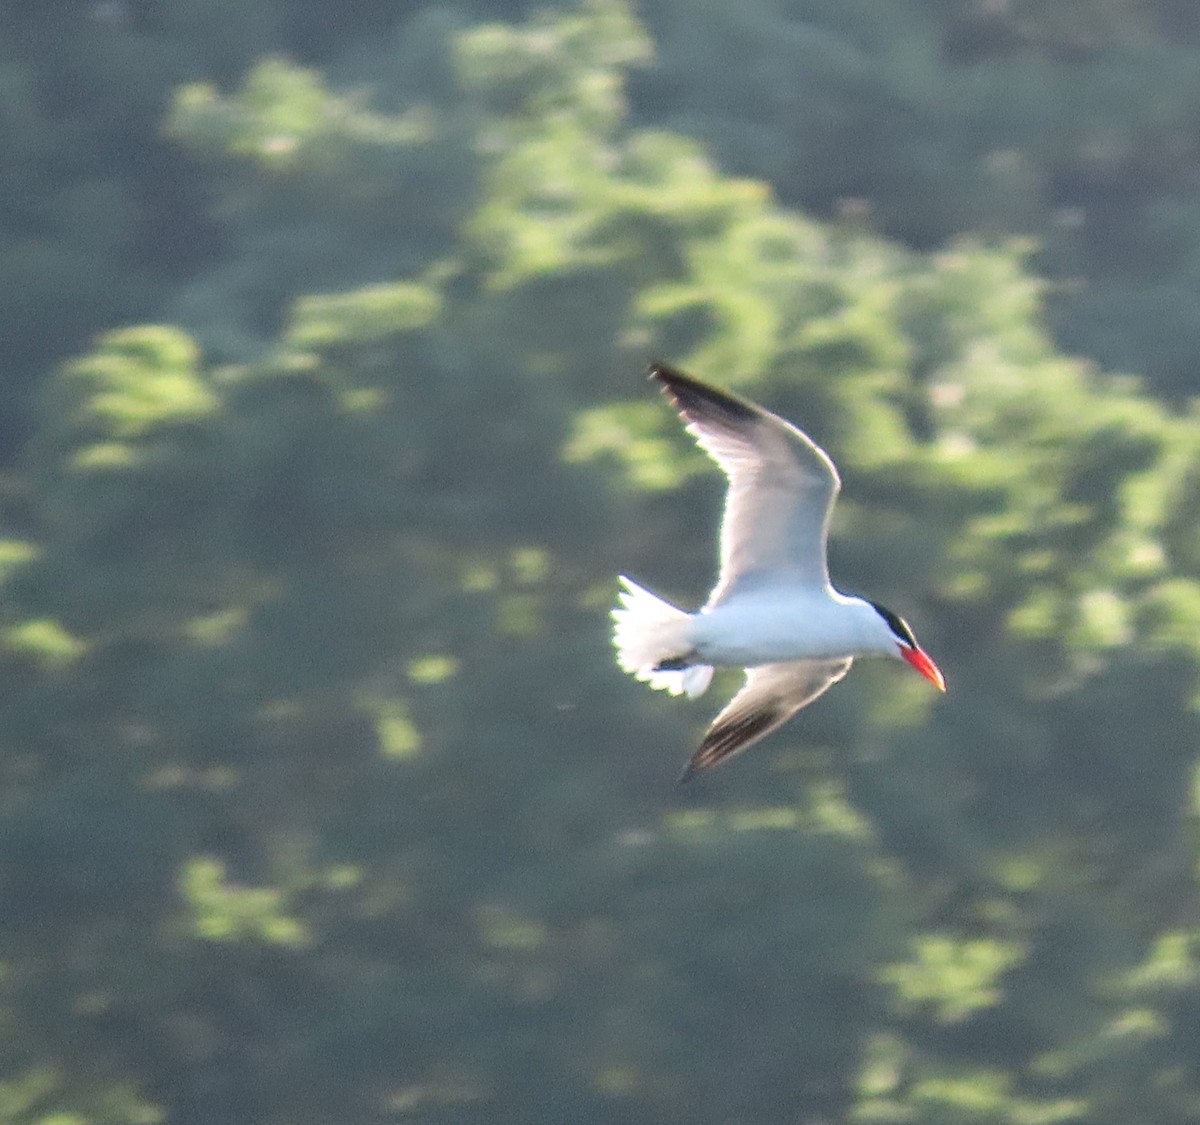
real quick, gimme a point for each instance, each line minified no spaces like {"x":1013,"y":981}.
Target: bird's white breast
{"x":773,"y":626}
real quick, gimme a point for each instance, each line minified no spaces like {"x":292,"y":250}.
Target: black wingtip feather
{"x":728,"y":739}
{"x":694,"y":398}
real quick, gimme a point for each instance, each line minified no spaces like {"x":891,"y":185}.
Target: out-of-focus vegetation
{"x":323,"y":440}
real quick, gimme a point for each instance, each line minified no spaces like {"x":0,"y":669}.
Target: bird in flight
{"x":773,"y":611}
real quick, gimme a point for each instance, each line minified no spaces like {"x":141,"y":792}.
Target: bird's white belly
{"x":770,"y":631}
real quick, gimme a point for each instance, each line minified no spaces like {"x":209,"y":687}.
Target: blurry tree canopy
{"x":1072,"y":122}
{"x":322,"y":799}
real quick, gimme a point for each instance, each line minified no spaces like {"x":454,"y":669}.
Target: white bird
{"x":773,"y":611}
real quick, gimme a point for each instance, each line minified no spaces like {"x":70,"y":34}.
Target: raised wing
{"x":771,"y":695}
{"x":781,"y":487}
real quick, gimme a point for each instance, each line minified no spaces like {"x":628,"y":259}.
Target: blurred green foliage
{"x":322,"y":799}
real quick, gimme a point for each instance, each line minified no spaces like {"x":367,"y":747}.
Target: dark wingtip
{"x":672,"y":378}
{"x":692,"y":396}
{"x":668,"y":377}
{"x":727,"y":739}
{"x":689,"y":771}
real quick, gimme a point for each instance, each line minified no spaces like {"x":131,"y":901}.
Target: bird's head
{"x":905,"y":647}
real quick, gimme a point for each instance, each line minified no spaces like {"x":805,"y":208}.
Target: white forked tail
{"x":649,"y":631}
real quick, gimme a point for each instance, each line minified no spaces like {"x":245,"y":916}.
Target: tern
{"x":773,"y":611}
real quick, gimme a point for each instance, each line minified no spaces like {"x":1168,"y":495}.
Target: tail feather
{"x":650,"y":632}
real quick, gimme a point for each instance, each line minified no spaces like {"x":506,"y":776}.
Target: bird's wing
{"x":781,"y":487}
{"x":771,"y":695}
